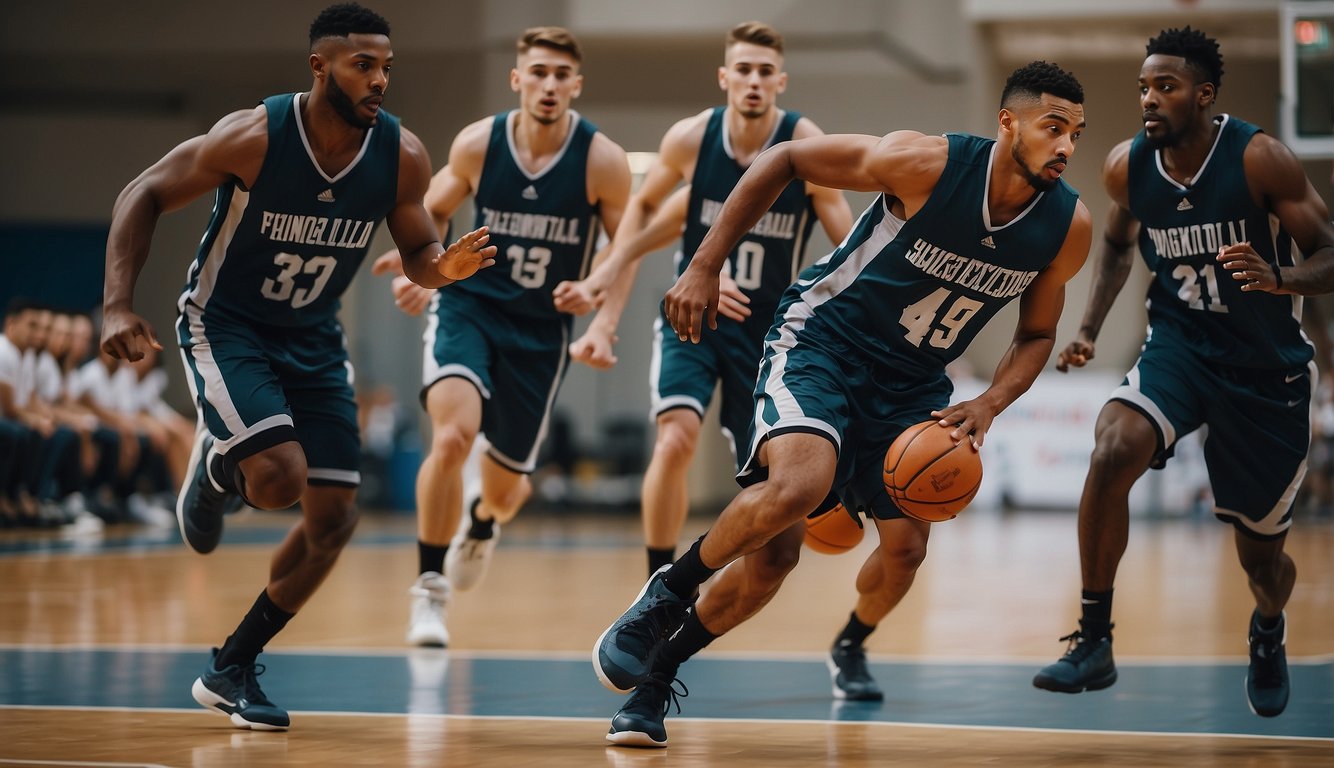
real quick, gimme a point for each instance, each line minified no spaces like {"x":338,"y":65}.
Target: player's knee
{"x":786,"y":502}
{"x":904,"y":555}
{"x":450,"y":446}
{"x":274,"y":482}
{"x":675,"y":443}
{"x":775,"y":561}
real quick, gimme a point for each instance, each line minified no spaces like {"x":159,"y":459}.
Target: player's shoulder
{"x":688,"y":130}
{"x":474,"y":137}
{"x":913,"y":150}
{"x":244,"y":126}
{"x":806,"y":128}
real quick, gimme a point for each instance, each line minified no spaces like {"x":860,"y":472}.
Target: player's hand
{"x":595,"y":349}
{"x":692,"y":301}
{"x":578,"y":297}
{"x":1076,"y":353}
{"x":125,"y":334}
{"x":732,"y":300}
{"x":388,"y":263}
{"x":1248,"y":268}
{"x":410,"y":298}
{"x":971,"y":419}
{"x":466,"y":255}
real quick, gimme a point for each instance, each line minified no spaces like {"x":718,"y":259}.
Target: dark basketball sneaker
{"x":234,"y":691}
{"x":852,"y":678}
{"x":1267,"y":677}
{"x":201,"y":505}
{"x":640,"y":722}
{"x":625,"y":651}
{"x":1086,"y":666}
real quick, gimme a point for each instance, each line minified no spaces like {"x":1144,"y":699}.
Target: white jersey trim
{"x":310,"y":153}
{"x":514,"y":153}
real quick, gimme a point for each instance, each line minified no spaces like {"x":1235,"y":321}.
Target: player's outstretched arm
{"x":233,"y":149}
{"x":425,"y":261}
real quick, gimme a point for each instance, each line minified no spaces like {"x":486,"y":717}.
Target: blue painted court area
{"x":1190,"y":698}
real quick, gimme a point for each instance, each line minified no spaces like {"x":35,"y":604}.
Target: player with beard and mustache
{"x":548,"y":183}
{"x":857,"y":353}
{"x":710,"y":151}
{"x":1198,"y":194}
{"x":300,"y":183}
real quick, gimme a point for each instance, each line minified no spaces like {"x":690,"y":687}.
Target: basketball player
{"x":546,"y":182}
{"x":301,"y":182}
{"x":1196,"y":193}
{"x":710,"y":151}
{"x":962,"y":225}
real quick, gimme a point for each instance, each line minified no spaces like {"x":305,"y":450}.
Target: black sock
{"x":854,"y":634}
{"x":431,"y":558}
{"x":686,"y":574}
{"x":1097,"y":619}
{"x":480,"y":529}
{"x":657,"y":558}
{"x":1266,"y":623}
{"x":227,"y":474}
{"x":689,"y":639}
{"x":254,"y":632}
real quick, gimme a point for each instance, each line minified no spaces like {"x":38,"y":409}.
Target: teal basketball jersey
{"x":283,"y":251}
{"x":766,"y":259}
{"x":1182,"y":229}
{"x":544,"y":229}
{"x":911,"y":295}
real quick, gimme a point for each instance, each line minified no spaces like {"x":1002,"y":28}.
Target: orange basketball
{"x":928,"y":476}
{"x":833,"y":532}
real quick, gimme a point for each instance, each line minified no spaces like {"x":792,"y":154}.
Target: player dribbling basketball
{"x":858,"y":353}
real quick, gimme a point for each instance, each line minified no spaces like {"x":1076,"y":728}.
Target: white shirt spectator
{"x":50,"y":387}
{"x":110,"y":391}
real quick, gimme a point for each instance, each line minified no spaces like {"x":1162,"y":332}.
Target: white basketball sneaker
{"x":468,"y":558}
{"x":426,"y":624}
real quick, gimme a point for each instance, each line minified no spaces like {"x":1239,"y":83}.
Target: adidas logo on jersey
{"x":530,"y":192}
{"x":988,"y":242}
{"x":326,"y":196}
{"x":1184,"y":205}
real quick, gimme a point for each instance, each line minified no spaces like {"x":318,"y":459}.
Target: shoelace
{"x":437,"y":597}
{"x":658,"y":684}
{"x":1079,"y":647}
{"x":1264,"y":663}
{"x":854,"y":662}
{"x":649,"y":629}
{"x":250,"y":676}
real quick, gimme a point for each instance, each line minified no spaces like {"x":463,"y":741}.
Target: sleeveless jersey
{"x":766,"y":260}
{"x":283,"y":251}
{"x":1183,"y":227}
{"x":911,"y":295}
{"x":542,"y":224}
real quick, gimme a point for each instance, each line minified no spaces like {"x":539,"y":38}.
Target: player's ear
{"x":578,"y":86}
{"x":1207,"y":94}
{"x":1008,"y":120}
{"x":317,"y":64}
{"x":722,"y":78}
{"x":782,"y":82}
{"x":514,"y":80}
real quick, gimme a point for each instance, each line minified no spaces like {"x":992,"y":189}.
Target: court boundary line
{"x":725,"y":720}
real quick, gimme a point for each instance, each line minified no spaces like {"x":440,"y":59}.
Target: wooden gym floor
{"x":101,"y":637}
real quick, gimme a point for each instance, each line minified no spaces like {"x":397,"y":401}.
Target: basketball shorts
{"x":256,"y":386}
{"x":683,"y":375}
{"x":858,"y":405}
{"x":1258,"y":427}
{"x":516,"y":363}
